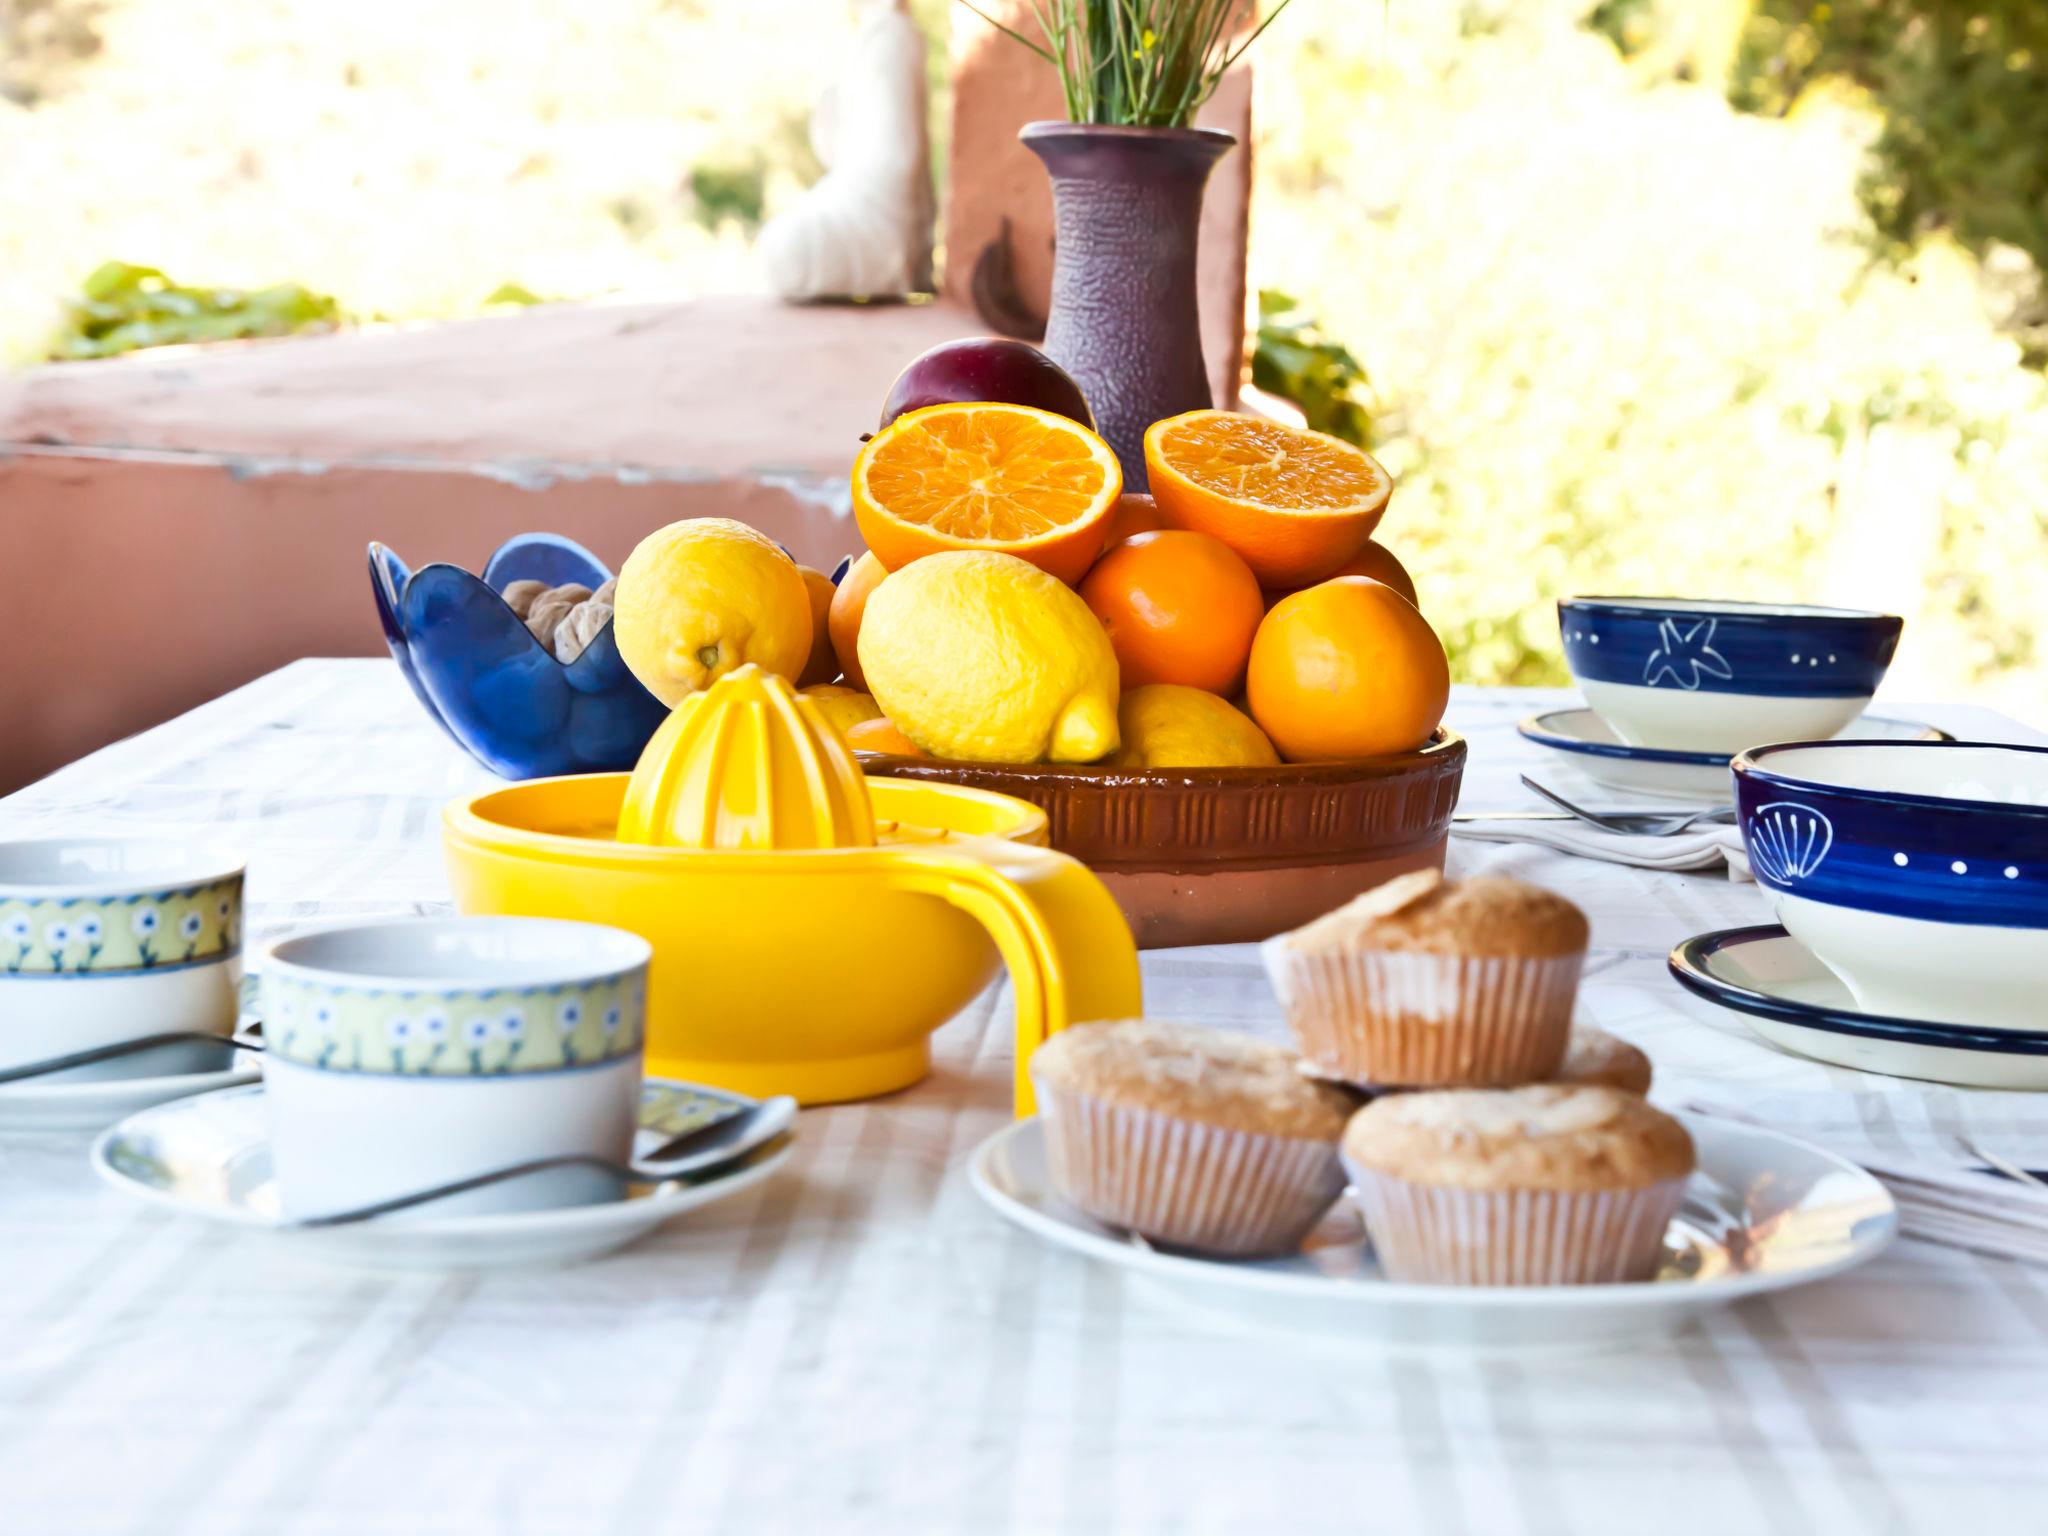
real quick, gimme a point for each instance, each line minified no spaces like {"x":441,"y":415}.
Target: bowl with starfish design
{"x":1711,"y":675}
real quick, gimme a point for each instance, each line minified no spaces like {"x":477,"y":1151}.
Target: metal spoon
{"x":1639,"y":823}
{"x":250,"y":1040}
{"x":697,"y":1152}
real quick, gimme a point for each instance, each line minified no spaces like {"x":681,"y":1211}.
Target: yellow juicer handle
{"x":1060,"y":932}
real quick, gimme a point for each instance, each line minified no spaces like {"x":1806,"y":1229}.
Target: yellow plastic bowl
{"x":815,"y":972}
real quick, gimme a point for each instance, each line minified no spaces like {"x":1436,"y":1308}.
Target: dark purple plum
{"x":987,"y":368}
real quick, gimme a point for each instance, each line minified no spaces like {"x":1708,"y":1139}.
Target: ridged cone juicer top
{"x":748,"y":764}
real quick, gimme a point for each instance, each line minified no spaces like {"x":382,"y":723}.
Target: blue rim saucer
{"x":1766,"y":974}
{"x":1583,"y":732}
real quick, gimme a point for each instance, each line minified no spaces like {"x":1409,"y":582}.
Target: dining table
{"x":860,"y":1344}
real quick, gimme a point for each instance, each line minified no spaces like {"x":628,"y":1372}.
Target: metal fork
{"x":1638,"y":823}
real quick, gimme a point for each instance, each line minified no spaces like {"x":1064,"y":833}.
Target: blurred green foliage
{"x":42,"y":42}
{"x":1963,"y":89}
{"x":1631,"y":25}
{"x":734,"y":190}
{"x":1294,"y":359}
{"x":124,"y":307}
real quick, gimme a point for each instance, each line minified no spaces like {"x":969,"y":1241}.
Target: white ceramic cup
{"x":416,"y":1051}
{"x":105,"y":940}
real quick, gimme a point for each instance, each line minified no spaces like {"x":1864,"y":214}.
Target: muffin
{"x":1197,"y":1138}
{"x":1552,"y":1184}
{"x":1431,"y":983}
{"x":1592,"y":1056}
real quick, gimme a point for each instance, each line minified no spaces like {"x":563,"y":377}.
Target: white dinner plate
{"x":1588,"y":743}
{"x":1784,"y":993}
{"x":1764,"y":1212}
{"x":92,"y":1098}
{"x":210,"y":1157}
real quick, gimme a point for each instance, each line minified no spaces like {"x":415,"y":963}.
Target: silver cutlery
{"x":1998,"y":1164}
{"x":696,"y":1153}
{"x":1638,"y":823}
{"x":250,"y":1040}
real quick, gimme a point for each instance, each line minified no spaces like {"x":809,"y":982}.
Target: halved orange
{"x":1294,"y":504}
{"x":1008,"y":478}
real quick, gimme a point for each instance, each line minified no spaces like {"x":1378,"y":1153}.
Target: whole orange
{"x":1344,"y":670}
{"x":1378,"y":562}
{"x":823,"y":665}
{"x":1135,"y":513}
{"x":881,"y":735}
{"x":1179,"y":608}
{"x":849,"y":603}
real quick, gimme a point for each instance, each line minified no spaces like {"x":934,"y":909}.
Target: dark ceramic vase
{"x":1127,"y":210}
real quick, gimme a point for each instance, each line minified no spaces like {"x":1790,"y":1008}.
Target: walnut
{"x":546,"y":618}
{"x":584,"y":623}
{"x":547,"y":611}
{"x":519,"y":595}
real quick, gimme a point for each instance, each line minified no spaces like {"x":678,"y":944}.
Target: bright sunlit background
{"x":1653,"y":295}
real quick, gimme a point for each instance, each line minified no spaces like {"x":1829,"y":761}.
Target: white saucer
{"x":1794,"y":1001}
{"x":210,"y":1157}
{"x":1588,"y":743}
{"x":92,"y":1098}
{"x":1765,"y":1212}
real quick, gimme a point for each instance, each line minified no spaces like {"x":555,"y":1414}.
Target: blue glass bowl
{"x":491,"y":685}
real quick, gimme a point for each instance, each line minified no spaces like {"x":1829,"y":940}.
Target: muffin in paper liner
{"x":1425,"y":983}
{"x":1414,"y":1020}
{"x":1546,"y":1184}
{"x":1442,"y":1236}
{"x":1176,"y":1181}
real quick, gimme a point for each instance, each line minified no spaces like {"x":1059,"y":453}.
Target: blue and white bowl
{"x":1696,"y":675}
{"x":411,"y":1052}
{"x":1916,"y":871}
{"x":103,"y":941}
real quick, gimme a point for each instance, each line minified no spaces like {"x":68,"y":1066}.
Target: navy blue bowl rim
{"x":1688,"y":965}
{"x":1740,"y":610}
{"x":1533,"y":729}
{"x":1745,"y":766}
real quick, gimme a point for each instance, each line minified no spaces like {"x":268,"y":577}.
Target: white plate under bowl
{"x":1794,"y":1001}
{"x":1588,"y":743}
{"x":210,"y":1157}
{"x":92,"y":1098}
{"x":1765,"y":1212}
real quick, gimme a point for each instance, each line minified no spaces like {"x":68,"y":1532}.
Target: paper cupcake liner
{"x":1411,"y":1020}
{"x":1185,"y":1184}
{"x":1447,"y":1236}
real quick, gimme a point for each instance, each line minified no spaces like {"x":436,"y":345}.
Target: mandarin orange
{"x":849,"y":603}
{"x":1295,"y":504}
{"x":1179,"y":608}
{"x":1344,"y":670}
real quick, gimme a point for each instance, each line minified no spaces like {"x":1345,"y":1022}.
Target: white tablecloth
{"x":861,"y":1346}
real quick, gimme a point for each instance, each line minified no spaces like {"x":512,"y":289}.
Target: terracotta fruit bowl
{"x":1231,"y":855}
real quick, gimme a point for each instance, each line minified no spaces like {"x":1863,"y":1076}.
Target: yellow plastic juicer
{"x":811,"y":926}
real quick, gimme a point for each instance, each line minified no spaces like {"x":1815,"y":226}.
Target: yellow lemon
{"x":982,"y":657}
{"x":698,"y":598}
{"x":1166,"y":725}
{"x":844,"y":707}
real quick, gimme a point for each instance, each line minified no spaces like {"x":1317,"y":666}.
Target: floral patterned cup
{"x":490,"y":1040}
{"x":104,"y":940}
